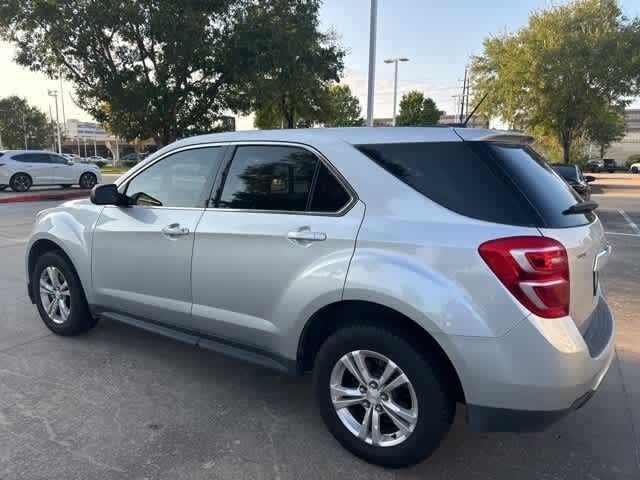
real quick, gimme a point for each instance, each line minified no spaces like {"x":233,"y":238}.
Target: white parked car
{"x":96,"y":158}
{"x":635,"y":167}
{"x":20,"y":169}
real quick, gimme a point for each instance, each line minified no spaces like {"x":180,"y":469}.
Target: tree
{"x":556,"y":73}
{"x":344,"y":108}
{"x":17,"y":120}
{"x":276,"y":59}
{"x":606,"y":128}
{"x":153,"y":62}
{"x":416,"y":110}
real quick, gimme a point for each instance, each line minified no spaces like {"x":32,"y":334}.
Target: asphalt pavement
{"x":121,"y":403}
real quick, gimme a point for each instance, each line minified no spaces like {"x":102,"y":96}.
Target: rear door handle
{"x":306,"y":236}
{"x":174,"y":230}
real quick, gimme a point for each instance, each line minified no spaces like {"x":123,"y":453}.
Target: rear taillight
{"x":534,"y":269}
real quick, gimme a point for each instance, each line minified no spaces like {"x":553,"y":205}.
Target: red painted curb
{"x":41,"y":197}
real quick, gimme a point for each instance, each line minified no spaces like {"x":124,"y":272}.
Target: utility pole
{"x":54,"y":130}
{"x":54,"y":94}
{"x":64,"y":117}
{"x":395,"y":84}
{"x":24,"y":130}
{"x":372,"y":61}
{"x":95,"y":149}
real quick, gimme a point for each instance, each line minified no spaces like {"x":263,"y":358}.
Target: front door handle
{"x":304,"y":235}
{"x":174,"y":230}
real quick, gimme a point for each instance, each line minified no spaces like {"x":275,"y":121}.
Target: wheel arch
{"x":37,"y":249}
{"x":332,"y":317}
{"x":13,"y":175}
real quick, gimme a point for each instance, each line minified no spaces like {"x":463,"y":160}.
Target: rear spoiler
{"x":495,"y":136}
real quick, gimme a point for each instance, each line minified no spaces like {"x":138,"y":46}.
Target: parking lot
{"x":121,"y":403}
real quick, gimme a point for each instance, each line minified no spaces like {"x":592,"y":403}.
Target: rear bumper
{"x":535,"y":374}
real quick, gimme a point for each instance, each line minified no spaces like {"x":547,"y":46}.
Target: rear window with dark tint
{"x":548,"y":194}
{"x":452,"y":175}
{"x":492,"y":182}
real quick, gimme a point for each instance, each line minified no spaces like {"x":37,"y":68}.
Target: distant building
{"x":630,"y":143}
{"x":474,"y":121}
{"x":87,"y":130}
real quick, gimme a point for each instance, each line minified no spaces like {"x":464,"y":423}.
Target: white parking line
{"x":637,"y":235}
{"x":633,"y":226}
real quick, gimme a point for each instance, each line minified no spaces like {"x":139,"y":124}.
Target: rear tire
{"x":435,"y":404}
{"x":634,"y":169}
{"x":54,"y":270}
{"x":20,"y":182}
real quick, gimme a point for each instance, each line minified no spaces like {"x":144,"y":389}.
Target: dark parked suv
{"x":573,"y":176}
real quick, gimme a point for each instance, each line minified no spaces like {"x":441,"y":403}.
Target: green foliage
{"x":13,"y":125}
{"x":606,"y":127}
{"x":276,"y":61}
{"x":153,"y":62}
{"x":267,"y":118}
{"x":571,"y":62}
{"x":344,"y":108}
{"x":416,"y":110}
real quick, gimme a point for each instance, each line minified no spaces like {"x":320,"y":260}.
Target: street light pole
{"x":24,"y":130}
{"x":54,"y":94}
{"x":372,"y":60}
{"x":395,"y":83}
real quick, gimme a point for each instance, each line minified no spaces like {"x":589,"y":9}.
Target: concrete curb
{"x":42,"y":197}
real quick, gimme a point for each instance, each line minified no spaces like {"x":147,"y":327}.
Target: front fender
{"x":70,"y":227}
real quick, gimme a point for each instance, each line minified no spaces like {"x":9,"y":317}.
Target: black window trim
{"x":224,"y":170}
{"x":122,"y":187}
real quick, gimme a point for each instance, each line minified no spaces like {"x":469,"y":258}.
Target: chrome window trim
{"x":353,"y":196}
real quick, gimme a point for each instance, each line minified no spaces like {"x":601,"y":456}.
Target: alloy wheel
{"x":87,"y":180}
{"x":55,"y":295}
{"x":373,"y":398}
{"x":21,"y":182}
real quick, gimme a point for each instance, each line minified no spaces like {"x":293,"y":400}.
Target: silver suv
{"x":407,"y":268}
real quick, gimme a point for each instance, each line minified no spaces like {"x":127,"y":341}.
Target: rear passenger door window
{"x":278,"y":178}
{"x":329,"y":196}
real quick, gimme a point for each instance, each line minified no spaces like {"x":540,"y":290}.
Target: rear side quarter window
{"x":454,"y":176}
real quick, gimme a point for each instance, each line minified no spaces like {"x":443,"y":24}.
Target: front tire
{"x":59,"y":296}
{"x":634,"y":169}
{"x":20,"y":182}
{"x":382,"y":397}
{"x":87,"y":181}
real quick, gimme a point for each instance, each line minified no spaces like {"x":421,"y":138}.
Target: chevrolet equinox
{"x":407,"y":268}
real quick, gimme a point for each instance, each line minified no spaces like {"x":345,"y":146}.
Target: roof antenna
{"x":464,"y":124}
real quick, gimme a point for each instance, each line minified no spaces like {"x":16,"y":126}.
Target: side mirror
{"x":105,"y":195}
{"x":589,"y":178}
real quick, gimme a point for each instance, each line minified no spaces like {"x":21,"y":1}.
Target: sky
{"x":438,"y":37}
